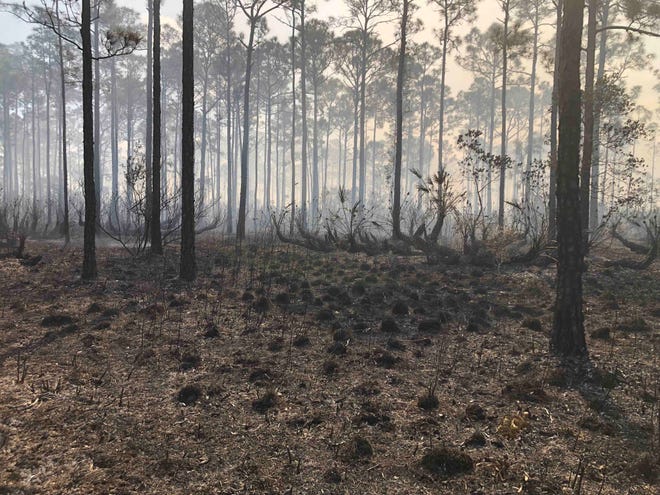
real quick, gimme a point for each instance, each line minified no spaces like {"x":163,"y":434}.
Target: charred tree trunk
{"x":156,"y":241}
{"x":187,"y":269}
{"x":396,"y":202}
{"x":240,"y":228}
{"x":89,"y":243}
{"x":568,"y":326}
{"x":148,"y":139}
{"x":65,"y":171}
{"x":98,"y":175}
{"x":552,"y":198}
{"x":588,"y":141}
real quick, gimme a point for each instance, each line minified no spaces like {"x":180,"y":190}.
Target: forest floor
{"x":287,"y":371}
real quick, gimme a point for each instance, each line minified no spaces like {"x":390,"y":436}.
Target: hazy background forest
{"x":302,"y":160}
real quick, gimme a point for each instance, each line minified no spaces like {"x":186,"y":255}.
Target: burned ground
{"x":286,"y":371}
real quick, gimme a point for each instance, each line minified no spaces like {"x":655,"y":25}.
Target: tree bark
{"x":505,"y":43}
{"x":532,"y":90}
{"x":156,"y":241}
{"x":187,"y":268}
{"x":303,"y":111}
{"x":293,"y":126}
{"x":594,"y":215}
{"x":98,"y":174}
{"x":552,"y":198}
{"x":240,"y":228}
{"x":398,"y":150}
{"x":114,"y":145}
{"x":89,"y":242}
{"x":65,"y":171}
{"x":568,"y":326}
{"x":588,"y":141}
{"x":148,"y":138}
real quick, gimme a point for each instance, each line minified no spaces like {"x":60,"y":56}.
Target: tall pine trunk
{"x":303,"y":110}
{"x":503,"y":143}
{"x":65,"y":168}
{"x":240,"y":228}
{"x":156,"y":241}
{"x":567,"y":337}
{"x":98,"y":174}
{"x":552,"y":197}
{"x":398,"y":150}
{"x":187,"y":268}
{"x":89,"y":242}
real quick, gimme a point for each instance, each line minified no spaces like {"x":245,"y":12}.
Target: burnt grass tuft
{"x":428,"y":401}
{"x":189,"y":395}
{"x":447,"y":462}
{"x":56,"y":320}
{"x":267,"y":401}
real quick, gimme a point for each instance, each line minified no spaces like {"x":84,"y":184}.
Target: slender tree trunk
{"x":156,"y":241}
{"x":373,"y":156}
{"x":491,"y":137}
{"x":325,"y":169}
{"x":218,"y":156}
{"x":303,"y":110}
{"x":163,"y":138}
{"x":356,"y":132}
{"x":315,"y":151}
{"x":129,"y":153}
{"x":49,"y":199}
{"x":65,"y":171}
{"x":202,"y":159}
{"x":505,"y":42}
{"x":89,"y":247}
{"x":114,"y":145}
{"x":16,"y":114}
{"x":363,"y":111}
{"x":588,"y":140}
{"x":398,"y":150}
{"x":530,"y":121}
{"x":240,"y":228}
{"x":552,"y":198}
{"x":568,"y":326}
{"x":187,"y":268}
{"x":293,"y":126}
{"x":6,"y":148}
{"x":256,"y":144}
{"x":35,"y":163}
{"x":98,"y":173}
{"x":443,"y":72}
{"x":422,"y":125}
{"x":148,"y":138}
{"x":228,"y":107}
{"x":269,"y":147}
{"x":594,"y":215}
{"x":177,"y":145}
